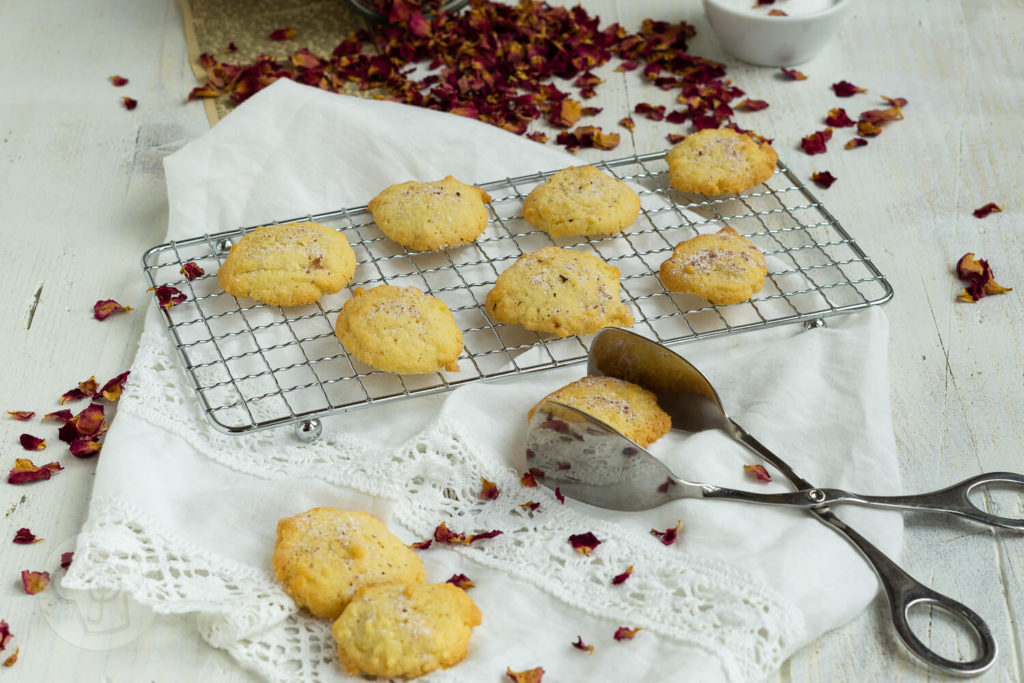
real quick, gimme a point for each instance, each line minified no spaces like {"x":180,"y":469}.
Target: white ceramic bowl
{"x":752,"y":35}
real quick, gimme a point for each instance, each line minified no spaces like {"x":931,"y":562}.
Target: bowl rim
{"x":837,"y":6}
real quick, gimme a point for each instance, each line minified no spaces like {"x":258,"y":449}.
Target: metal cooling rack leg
{"x":308,"y":431}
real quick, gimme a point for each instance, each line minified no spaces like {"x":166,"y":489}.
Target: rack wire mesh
{"x":254,"y":366}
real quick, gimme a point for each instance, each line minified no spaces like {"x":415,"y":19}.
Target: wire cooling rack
{"x":254,"y":366}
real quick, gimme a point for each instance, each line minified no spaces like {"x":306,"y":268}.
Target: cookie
{"x":323,"y":556}
{"x":404,"y":630}
{"x":719,"y":161}
{"x":428,"y":216}
{"x":399,"y":329}
{"x":724,"y":267}
{"x":291,"y":264}
{"x":627,"y":407}
{"x":559,"y":291}
{"x":581,"y":201}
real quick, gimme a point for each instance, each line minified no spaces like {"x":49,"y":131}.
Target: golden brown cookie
{"x":560,"y":291}
{"x":323,"y":556}
{"x":404,"y":630}
{"x":434,"y":215}
{"x":718,"y":161}
{"x":581,"y":201}
{"x":724,"y":267}
{"x":291,"y":264}
{"x":399,"y":329}
{"x":627,"y":407}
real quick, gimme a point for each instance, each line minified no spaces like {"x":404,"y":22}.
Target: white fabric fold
{"x":183,"y":516}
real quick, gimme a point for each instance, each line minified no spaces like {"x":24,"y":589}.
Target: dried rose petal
{"x":623,"y":633}
{"x":777,"y":13}
{"x":823,"y":179}
{"x":867,"y":129}
{"x":815,"y":142}
{"x":879,"y":116}
{"x":24,"y":536}
{"x":12,"y":660}
{"x":838,"y":118}
{"x":559,"y":496}
{"x":422,"y":545}
{"x":584,"y":543}
{"x":527,"y":676}
{"x":461,"y":580}
{"x":118,"y":81}
{"x":531,"y":506}
{"x":895,"y":101}
{"x":528,"y":480}
{"x":846,"y":89}
{"x":855,"y":142}
{"x":668,"y":536}
{"x":168,"y":297}
{"x":655,"y":113}
{"x":66,"y":559}
{"x":85,"y":448}
{"x":675,"y":138}
{"x":488,"y":489}
{"x":62,"y":415}
{"x":90,"y":421}
{"x":32,"y":443}
{"x":989,"y":208}
{"x":621,"y":578}
{"x":442,"y":534}
{"x":757,"y":472}
{"x":25,"y":471}
{"x":282,"y":34}
{"x":565,"y":114}
{"x":628,"y":123}
{"x":5,"y":635}
{"x":580,"y":645}
{"x":104,"y":308}
{"x":75,"y":394}
{"x":34,"y":582}
{"x":231,"y":47}
{"x":192,"y":270}
{"x":129,"y":103}
{"x":979,"y":277}
{"x":751,"y":105}
{"x":793,"y":74}
{"x":21,"y":415}
{"x":114,"y":387}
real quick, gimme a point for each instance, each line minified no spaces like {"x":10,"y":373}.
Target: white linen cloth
{"x":183,"y":517}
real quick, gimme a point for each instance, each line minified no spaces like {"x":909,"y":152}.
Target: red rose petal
{"x":104,"y":308}
{"x":757,"y":472}
{"x":32,"y":443}
{"x":668,"y":536}
{"x":531,"y":506}
{"x":623,"y":577}
{"x":461,"y":580}
{"x":66,"y":559}
{"x":129,"y":103}
{"x":855,"y":142}
{"x":488,"y":489}
{"x":584,"y":543}
{"x":628,"y":123}
{"x":559,"y":496}
{"x":21,"y":415}
{"x":24,"y":536}
{"x":421,"y":545}
{"x":442,"y":534}
{"x":168,"y":297}
{"x":580,"y":645}
{"x":980,"y":279}
{"x":823,"y":179}
{"x":118,"y":81}
{"x":5,"y":635}
{"x":85,"y":448}
{"x":192,"y":270}
{"x":793,"y":74}
{"x":815,"y":142}
{"x":62,"y":415}
{"x":12,"y":660}
{"x":623,"y":633}
{"x":752,"y":105}
{"x":114,"y":387}
{"x":90,"y":421}
{"x":986,"y":210}
{"x":846,"y":89}
{"x":25,"y":471}
{"x":282,"y":34}
{"x":35,"y":582}
{"x":527,"y":676}
{"x":838,"y":118}
{"x":528,"y":480}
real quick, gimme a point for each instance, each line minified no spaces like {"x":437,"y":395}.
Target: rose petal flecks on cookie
{"x":719,"y":161}
{"x":723,"y":267}
{"x":433,"y":215}
{"x":581,"y":201}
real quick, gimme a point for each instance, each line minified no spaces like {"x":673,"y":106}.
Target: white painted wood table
{"x":82,"y":196}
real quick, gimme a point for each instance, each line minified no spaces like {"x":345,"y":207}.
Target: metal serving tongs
{"x":590,"y":461}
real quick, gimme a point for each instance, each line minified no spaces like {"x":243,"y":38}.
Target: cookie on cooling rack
{"x":324,"y":555}
{"x":404,"y":630}
{"x":291,"y":264}
{"x":399,"y":329}
{"x":559,"y":291}
{"x":581,"y":201}
{"x":627,"y":407}
{"x":719,"y":161}
{"x":723,"y":267}
{"x":427,"y":216}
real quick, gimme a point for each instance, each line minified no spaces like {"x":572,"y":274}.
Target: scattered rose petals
{"x":118,"y":81}
{"x":488,"y":489}
{"x":90,"y":421}
{"x":793,"y":74}
{"x":442,"y":534}
{"x":815,"y":142}
{"x":989,"y":208}
{"x":565,"y":114}
{"x":24,"y":536}
{"x":231,"y":47}
{"x":192,"y":270}
{"x":823,"y":179}
{"x":751,"y":105}
{"x":675,"y":138}
{"x":846,"y":89}
{"x":461,"y":580}
{"x":855,"y":142}
{"x":62,"y":415}
{"x":867,"y":129}
{"x":531,"y":506}
{"x":757,"y":472}
{"x":25,"y":471}
{"x":621,"y":578}
{"x":895,"y":101}
{"x":129,"y":103}
{"x":559,"y":496}
{"x":32,"y":443}
{"x":879,"y":116}
{"x":5,"y":635}
{"x":168,"y":297}
{"x":777,"y":13}
{"x":580,"y":645}
{"x":85,"y":448}
{"x":655,"y":113}
{"x":114,"y":387}
{"x":980,"y":280}
{"x":21,"y":415}
{"x":282,"y":34}
{"x":624,"y":633}
{"x":35,"y":582}
{"x":584,"y":543}
{"x":528,"y":480}
{"x":838,"y":118}
{"x":668,"y":536}
{"x":628,"y":123}
{"x":13,"y":659}
{"x":527,"y":676}
{"x":66,"y":559}
{"x":422,"y":545}
{"x":104,"y":308}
